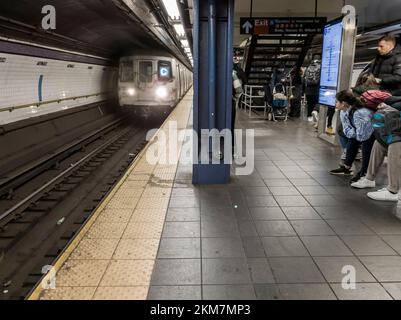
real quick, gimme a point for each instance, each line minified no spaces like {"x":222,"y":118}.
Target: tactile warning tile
{"x":153,"y":203}
{"x":138,"y":177}
{"x":128,"y":273}
{"x":159,"y":191}
{"x":134,"y":184}
{"x":154,"y":182}
{"x":81,"y":273}
{"x":129,"y":191}
{"x":136,"y":249}
{"x":115,"y":215}
{"x":149,"y":215}
{"x":123,"y":200}
{"x":144,"y":167}
{"x":106,"y":230}
{"x":143,"y":230}
{"x":68,"y":293}
{"x":164,"y":176}
{"x":121,"y":293}
{"x":95,"y":249}
{"x":166,"y":169}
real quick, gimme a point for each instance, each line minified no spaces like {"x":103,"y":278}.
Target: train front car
{"x":148,"y":84}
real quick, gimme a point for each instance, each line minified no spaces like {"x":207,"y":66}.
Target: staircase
{"x":266,"y":54}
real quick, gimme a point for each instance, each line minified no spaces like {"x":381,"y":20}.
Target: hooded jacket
{"x":357,"y":125}
{"x":388,"y":68}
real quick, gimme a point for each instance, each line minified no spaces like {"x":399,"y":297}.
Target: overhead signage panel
{"x":280,"y":25}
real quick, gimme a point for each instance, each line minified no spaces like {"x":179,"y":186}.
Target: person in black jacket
{"x":387,"y":66}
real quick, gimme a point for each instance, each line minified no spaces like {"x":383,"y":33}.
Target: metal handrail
{"x":247,"y":102}
{"x":38,"y":104}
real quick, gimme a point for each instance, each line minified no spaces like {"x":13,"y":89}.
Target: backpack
{"x":387,"y":125}
{"x":312,"y":74}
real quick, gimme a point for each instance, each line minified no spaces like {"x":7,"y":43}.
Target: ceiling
{"x":108,"y":28}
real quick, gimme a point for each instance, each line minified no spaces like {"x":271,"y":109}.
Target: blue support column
{"x":213,"y":58}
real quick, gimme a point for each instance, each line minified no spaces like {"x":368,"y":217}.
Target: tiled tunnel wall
{"x":28,"y":80}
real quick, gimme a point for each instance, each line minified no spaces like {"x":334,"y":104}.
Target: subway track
{"x":48,"y":206}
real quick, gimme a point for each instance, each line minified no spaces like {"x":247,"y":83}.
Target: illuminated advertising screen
{"x":331,"y":54}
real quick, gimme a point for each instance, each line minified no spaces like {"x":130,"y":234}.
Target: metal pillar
{"x":213,"y":59}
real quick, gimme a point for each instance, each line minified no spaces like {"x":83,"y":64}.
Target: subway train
{"x":151,"y":84}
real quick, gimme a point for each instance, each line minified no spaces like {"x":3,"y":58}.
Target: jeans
{"x":343,"y":142}
{"x":353,"y":148}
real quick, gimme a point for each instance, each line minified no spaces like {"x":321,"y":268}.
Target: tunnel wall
{"x":27,"y":80}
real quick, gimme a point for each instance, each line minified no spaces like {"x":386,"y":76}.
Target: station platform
{"x":284,"y":232}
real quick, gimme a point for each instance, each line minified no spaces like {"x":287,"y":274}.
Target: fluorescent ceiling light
{"x":187,"y":50}
{"x":172,"y":9}
{"x":179,"y":28}
{"x":185,"y":43}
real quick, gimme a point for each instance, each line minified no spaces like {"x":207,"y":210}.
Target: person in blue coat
{"x":357,"y":131}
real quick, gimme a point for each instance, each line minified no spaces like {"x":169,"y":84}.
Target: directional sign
{"x":247,"y":27}
{"x":280,"y":25}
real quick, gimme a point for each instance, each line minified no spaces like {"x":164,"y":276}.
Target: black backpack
{"x":387,"y":125}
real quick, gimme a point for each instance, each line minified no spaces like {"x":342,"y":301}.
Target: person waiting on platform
{"x":387,"y":124}
{"x":311,"y":84}
{"x":387,"y":66}
{"x":357,"y":131}
{"x":237,"y":91}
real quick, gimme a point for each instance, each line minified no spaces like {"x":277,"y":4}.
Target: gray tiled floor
{"x":290,"y":230}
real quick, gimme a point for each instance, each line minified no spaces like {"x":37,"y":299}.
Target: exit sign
{"x":280,"y":25}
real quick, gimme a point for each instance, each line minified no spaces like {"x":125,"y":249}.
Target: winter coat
{"x":359,"y":90}
{"x":394,"y":102}
{"x":388,"y":68}
{"x":357,"y":125}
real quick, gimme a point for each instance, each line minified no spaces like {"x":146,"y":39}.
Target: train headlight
{"x":131,"y":91}
{"x":161,"y":92}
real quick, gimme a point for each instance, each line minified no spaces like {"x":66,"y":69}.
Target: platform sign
{"x":280,"y":25}
{"x":331,"y":56}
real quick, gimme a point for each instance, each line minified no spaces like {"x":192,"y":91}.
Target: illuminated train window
{"x":164,"y":70}
{"x":127,"y":71}
{"x":145,"y":71}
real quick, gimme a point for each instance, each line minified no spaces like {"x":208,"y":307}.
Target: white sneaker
{"x":315,"y":116}
{"x":364,"y":183}
{"x":310,"y":119}
{"x":383,"y":195}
